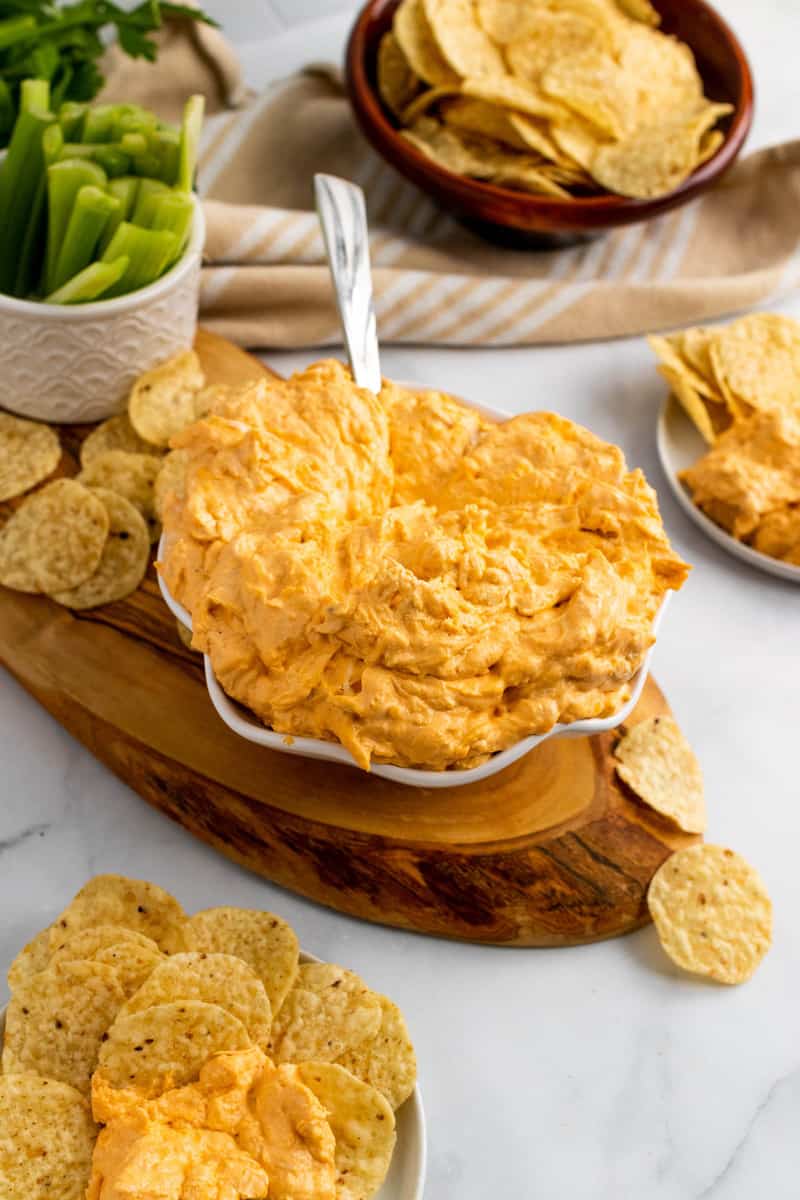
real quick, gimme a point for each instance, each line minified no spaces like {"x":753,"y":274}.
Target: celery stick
{"x":89,"y":283}
{"x":98,"y":125}
{"x":32,"y":249}
{"x":64,"y":180}
{"x":19,"y":181}
{"x":123,"y":189}
{"x":149,"y":190}
{"x":190,"y":140}
{"x":90,"y":213}
{"x":16,"y":29}
{"x":70,"y":118}
{"x":150,"y":252}
{"x":173,"y":212}
{"x":167,"y":145}
{"x":7,"y":111}
{"x":34,"y":95}
{"x":113,"y":160}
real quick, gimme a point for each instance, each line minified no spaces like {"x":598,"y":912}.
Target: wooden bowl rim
{"x":374,"y":121}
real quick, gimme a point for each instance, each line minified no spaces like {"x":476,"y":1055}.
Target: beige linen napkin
{"x":265,"y":282}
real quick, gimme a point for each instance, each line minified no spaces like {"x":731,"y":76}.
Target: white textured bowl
{"x":78,"y":362}
{"x":243,"y":722}
{"x":406,"y":1178}
{"x":679,"y":446}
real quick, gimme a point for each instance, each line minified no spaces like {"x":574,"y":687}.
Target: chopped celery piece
{"x":191,"y":129}
{"x":64,"y":181}
{"x":150,"y":252}
{"x":123,"y":189}
{"x":89,"y":216}
{"x":70,"y":118}
{"x":166,"y":143}
{"x":113,"y":160}
{"x":34,"y":95}
{"x":89,"y":283}
{"x":19,"y":181}
{"x":149,"y":190}
{"x":134,"y":144}
{"x":174,"y":212}
{"x":98,"y":125}
{"x":135,"y":120}
{"x":52,"y":144}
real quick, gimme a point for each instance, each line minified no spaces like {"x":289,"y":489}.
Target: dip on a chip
{"x":402,"y":575}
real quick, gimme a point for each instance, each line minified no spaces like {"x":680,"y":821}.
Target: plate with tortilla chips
{"x":729,"y":436}
{"x":132,"y":1026}
{"x":565,"y":117}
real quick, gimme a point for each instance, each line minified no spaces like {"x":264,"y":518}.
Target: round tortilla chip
{"x":463,"y":44}
{"x":712,"y":913}
{"x":134,"y":903}
{"x":363,"y":1125}
{"x":56,"y":1021}
{"x":162,"y":401}
{"x":386,"y":1061}
{"x":265,"y":942}
{"x":757,"y":361}
{"x":165,"y":1046}
{"x":32,"y":959}
{"x":215,"y":979}
{"x":47,"y":1136}
{"x":550,"y":36}
{"x":328,"y":1012}
{"x":415,"y":39}
{"x":130,"y":475}
{"x":29,"y":452}
{"x":593,"y":86}
{"x":659,"y":765}
{"x":116,"y":433}
{"x":133,"y":964}
{"x":397,"y":82}
{"x":123,"y":562}
{"x":87,"y":943}
{"x":54,"y":540}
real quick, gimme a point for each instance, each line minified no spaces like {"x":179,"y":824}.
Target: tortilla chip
{"x":397,"y":82}
{"x":123,"y":562}
{"x":116,"y":433}
{"x":134,"y":903}
{"x":386,"y":1061}
{"x":133,"y":964}
{"x":56,"y":1021}
{"x":87,"y":943}
{"x":463,"y":44}
{"x":32,"y":959}
{"x":54,"y":540}
{"x":363,"y":1126}
{"x":712,"y":913}
{"x":415,"y":39}
{"x":130,"y":475}
{"x":46,"y":1139}
{"x":29,"y":452}
{"x":552,"y":35}
{"x":265,"y":942}
{"x":757,"y":361}
{"x":215,"y":979}
{"x":166,"y":1045}
{"x":328,"y":1012}
{"x":593,"y":86}
{"x":162,"y":401}
{"x":658,"y":764}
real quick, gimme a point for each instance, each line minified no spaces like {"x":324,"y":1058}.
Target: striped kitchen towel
{"x":265,"y":282}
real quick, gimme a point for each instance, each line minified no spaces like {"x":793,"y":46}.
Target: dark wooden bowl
{"x":518,"y":217}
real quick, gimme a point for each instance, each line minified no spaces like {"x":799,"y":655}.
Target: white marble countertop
{"x":587,"y":1074}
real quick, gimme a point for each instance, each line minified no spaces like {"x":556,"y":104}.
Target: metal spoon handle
{"x":343,"y":216}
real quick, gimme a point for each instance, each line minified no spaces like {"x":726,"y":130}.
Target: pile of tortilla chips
{"x":209,"y":1052}
{"x":554,"y":97}
{"x":740,"y":384}
{"x":85,"y":541}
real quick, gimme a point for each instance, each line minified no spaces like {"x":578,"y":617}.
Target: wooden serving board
{"x":551,"y":852}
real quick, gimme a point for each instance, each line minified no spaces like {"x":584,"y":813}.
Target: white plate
{"x":679,"y":446}
{"x":406,"y":1178}
{"x":246,"y":725}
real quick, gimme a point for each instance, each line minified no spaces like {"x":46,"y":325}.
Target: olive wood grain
{"x":554,"y":851}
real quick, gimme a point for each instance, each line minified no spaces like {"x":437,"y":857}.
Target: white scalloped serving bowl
{"x":78,"y":362}
{"x":406,"y":1177}
{"x":680,"y":445}
{"x":243,"y":722}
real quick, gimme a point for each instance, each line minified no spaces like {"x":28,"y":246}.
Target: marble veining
{"x":598,"y":1073}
